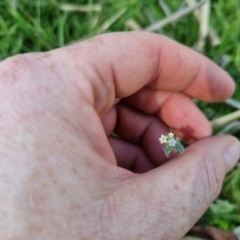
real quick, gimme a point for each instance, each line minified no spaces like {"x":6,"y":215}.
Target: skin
{"x":62,"y":174}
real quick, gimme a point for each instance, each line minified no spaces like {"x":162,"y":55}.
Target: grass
{"x":40,"y":25}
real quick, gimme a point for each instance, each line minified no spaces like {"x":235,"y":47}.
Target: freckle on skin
{"x":4,"y":214}
{"x":75,"y":207}
{"x":34,"y":229}
{"x":52,"y":66}
{"x":184,"y":209}
{"x":176,"y":187}
{"x":53,"y":212}
{"x":59,"y":139}
{"x":193,"y":195}
{"x":35,"y":176}
{"x":42,"y":199}
{"x":63,"y":191}
{"x":40,"y":212}
{"x":10,"y":146}
{"x":38,"y":146}
{"x":47,"y":89}
{"x":72,"y":145}
{"x":50,"y":172}
{"x":74,"y":170}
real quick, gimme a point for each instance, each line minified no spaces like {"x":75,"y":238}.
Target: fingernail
{"x":232,"y":154}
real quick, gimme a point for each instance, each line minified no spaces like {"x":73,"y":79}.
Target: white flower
{"x":172,"y":142}
{"x":163,"y":139}
{"x":171,"y":135}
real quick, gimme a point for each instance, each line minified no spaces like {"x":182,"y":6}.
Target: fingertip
{"x":232,"y":154}
{"x":223,"y":88}
{"x":211,"y":83}
{"x":187,"y":121}
{"x":231,"y":87}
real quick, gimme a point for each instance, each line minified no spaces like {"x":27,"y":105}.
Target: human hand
{"x":59,"y":177}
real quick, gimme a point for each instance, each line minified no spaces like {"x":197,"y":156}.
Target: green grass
{"x":39,"y":25}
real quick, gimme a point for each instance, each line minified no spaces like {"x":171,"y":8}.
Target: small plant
{"x":171,"y":144}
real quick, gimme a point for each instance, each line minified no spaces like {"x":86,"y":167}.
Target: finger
{"x":176,"y":110}
{"x":109,"y":120}
{"x":181,"y":190}
{"x":119,"y":64}
{"x":130,"y":156}
{"x":143,"y":130}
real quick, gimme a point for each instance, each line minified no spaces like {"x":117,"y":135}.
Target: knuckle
{"x":20,"y":60}
{"x":13,"y":67}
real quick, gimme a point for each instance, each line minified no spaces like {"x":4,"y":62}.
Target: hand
{"x":59,"y":177}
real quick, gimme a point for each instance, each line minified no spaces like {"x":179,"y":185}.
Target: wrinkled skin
{"x":62,"y":174}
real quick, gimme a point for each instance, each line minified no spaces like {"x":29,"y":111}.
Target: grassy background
{"x":40,"y":25}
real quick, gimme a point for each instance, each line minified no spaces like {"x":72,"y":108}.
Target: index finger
{"x":119,"y":64}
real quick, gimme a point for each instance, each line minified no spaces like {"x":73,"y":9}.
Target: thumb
{"x":175,"y":195}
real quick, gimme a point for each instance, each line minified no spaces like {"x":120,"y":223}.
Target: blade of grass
{"x":61,"y":24}
{"x":80,"y":8}
{"x":225,"y":119}
{"x":110,"y":21}
{"x":174,"y":17}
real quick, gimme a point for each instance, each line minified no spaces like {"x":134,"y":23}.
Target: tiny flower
{"x":171,"y":135}
{"x":172,"y":142}
{"x":163,"y":139}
